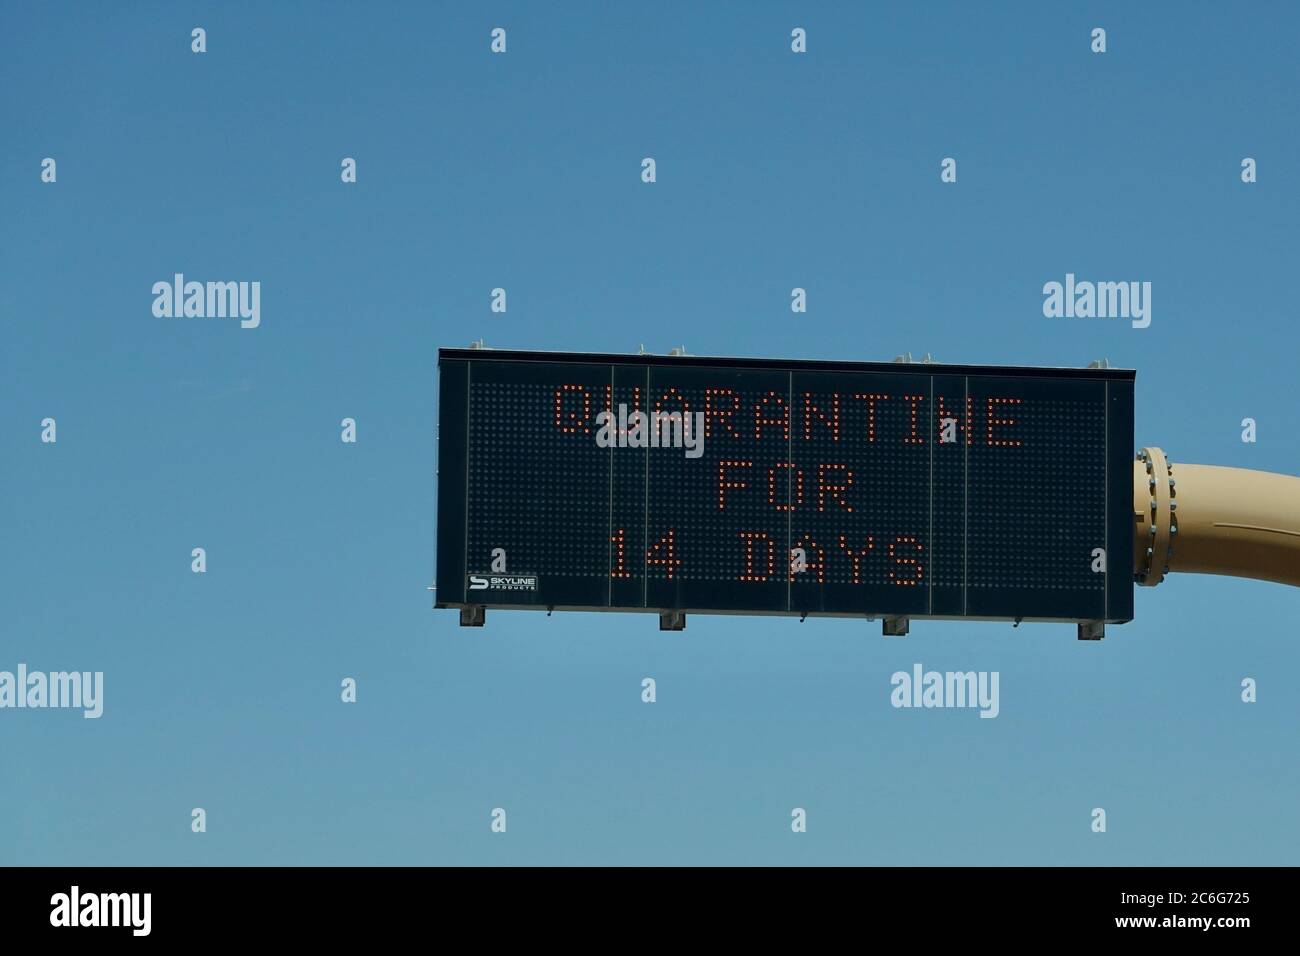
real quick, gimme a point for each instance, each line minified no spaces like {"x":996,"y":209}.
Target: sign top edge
{"x":820,"y":365}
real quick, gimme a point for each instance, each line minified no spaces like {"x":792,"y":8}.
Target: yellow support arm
{"x":1211,"y":520}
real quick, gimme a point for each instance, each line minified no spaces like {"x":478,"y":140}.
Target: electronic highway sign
{"x":683,"y":483}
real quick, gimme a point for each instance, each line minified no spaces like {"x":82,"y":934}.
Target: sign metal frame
{"x":453,"y":575}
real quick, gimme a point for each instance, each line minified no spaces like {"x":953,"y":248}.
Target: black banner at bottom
{"x":182,"y":905}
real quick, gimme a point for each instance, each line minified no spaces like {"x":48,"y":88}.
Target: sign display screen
{"x":735,"y":485}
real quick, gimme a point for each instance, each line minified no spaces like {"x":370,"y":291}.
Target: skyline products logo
{"x":133,"y":910}
{"x":502,"y":582}
{"x":1098,"y":300}
{"x":210,"y":300}
{"x":69,"y":689}
{"x":656,"y":430}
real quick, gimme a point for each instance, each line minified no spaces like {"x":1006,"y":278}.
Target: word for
{"x":212,"y":300}
{"x":833,"y":483}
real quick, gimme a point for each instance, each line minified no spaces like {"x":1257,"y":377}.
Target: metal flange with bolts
{"x":1207,"y":519}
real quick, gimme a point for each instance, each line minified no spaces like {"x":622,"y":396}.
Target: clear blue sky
{"x":523,"y":171}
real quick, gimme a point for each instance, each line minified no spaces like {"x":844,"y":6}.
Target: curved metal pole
{"x":1206,"y":519}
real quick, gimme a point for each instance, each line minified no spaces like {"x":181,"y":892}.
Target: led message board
{"x":783,"y":487}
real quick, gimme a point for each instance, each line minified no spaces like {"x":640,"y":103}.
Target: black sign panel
{"x":707,"y":484}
